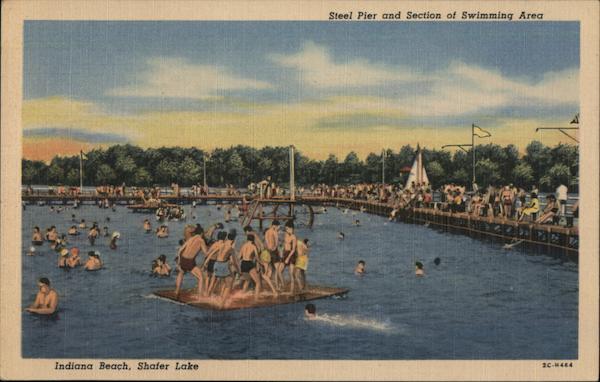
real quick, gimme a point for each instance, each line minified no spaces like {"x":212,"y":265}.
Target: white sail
{"x":418,"y":175}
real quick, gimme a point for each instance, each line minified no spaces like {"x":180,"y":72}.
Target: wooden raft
{"x":237,"y":300}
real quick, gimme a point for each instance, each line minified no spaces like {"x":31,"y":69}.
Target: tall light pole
{"x":473,"y":154}
{"x":292,"y":178}
{"x":204,"y":171}
{"x":81,"y":171}
{"x":383,"y":167}
{"x":485,"y":134}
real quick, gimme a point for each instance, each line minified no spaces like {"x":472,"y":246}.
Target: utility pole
{"x":81,"y":171}
{"x":204,"y":171}
{"x":473,"y":153}
{"x":472,"y":146}
{"x":292,"y":179}
{"x":383,"y":167}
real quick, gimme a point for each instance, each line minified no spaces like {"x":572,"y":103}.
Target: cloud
{"x":454,"y":90}
{"x":177,"y":78}
{"x":74,"y":134}
{"x":464,"y":89}
{"x":317,"y":68}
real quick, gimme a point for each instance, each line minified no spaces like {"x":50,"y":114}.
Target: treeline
{"x":541,"y":165}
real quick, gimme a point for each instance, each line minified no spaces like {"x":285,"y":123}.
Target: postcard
{"x":299,"y":190}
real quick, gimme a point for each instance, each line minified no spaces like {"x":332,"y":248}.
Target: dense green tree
{"x":105,"y":175}
{"x":241,"y":165}
{"x":558,"y":174}
{"x":523,"y":175}
{"x":166,"y":172}
{"x":436,"y":172}
{"x":487,"y":172}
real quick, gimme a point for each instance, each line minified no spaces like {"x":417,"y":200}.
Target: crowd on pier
{"x":509,"y":202}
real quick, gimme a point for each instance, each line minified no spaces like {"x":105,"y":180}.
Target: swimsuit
{"x":37,"y":242}
{"x":292,"y":259}
{"x":210,"y":267}
{"x":302,"y":262}
{"x":221,"y":269}
{"x":265,"y":256}
{"x":187,"y":264}
{"x":275,"y":258}
{"x":247,"y":266}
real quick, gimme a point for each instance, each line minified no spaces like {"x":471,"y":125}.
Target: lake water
{"x":481,"y":302}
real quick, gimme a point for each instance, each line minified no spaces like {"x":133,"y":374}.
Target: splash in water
{"x":354,"y":322}
{"x":155,"y":297}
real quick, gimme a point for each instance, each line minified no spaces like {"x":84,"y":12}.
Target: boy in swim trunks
{"x":187,"y":256}
{"x":222,"y":272}
{"x":301,"y":264}
{"x":248,"y":254}
{"x":272,"y":243}
{"x":290,"y":244}
{"x":210,"y":260}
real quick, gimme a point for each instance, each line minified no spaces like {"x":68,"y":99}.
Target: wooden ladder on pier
{"x":250,"y":213}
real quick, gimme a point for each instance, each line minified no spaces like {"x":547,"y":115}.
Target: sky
{"x":324,"y":87}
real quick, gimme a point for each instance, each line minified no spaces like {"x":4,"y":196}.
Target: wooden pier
{"x":543,"y":237}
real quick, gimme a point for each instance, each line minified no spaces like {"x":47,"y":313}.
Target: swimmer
{"x":227,"y":215}
{"x":210,"y":260}
{"x":437,"y":261}
{"x":226,"y":259}
{"x":31,"y":251}
{"x":73,"y":231}
{"x":37,"y":238}
{"x":357,"y":223}
{"x":82,"y":224}
{"x":186,"y":262}
{"x":310,"y":311}
{"x":264,"y":259}
{"x":301,"y":264}
{"x":260,"y":245}
{"x":162,"y":232}
{"x":361,"y":268}
{"x":160,"y":266}
{"x":93,"y":234}
{"x":419,"y":269}
{"x":93,"y":262}
{"x":46,"y":301}
{"x":107,"y":219}
{"x":341,"y":236}
{"x":73,"y":218}
{"x":208,"y":234}
{"x":74,"y":260}
{"x":52,"y":236}
{"x":290,"y":246}
{"x":147,"y":226}
{"x":248,"y":255}
{"x":62,"y":258}
{"x":105,"y":231}
{"x":113,"y":241}
{"x":272,"y":245}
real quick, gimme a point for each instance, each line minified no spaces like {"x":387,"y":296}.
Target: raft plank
{"x":243,"y":301}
